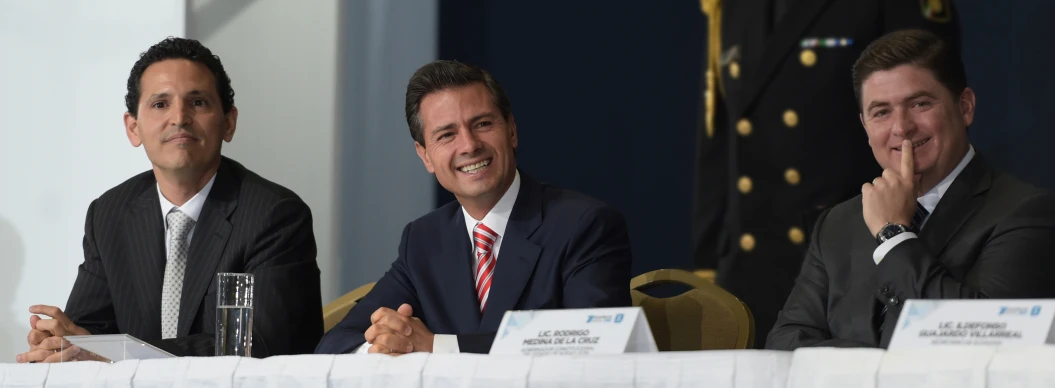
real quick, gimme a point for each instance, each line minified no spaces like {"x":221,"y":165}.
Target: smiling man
{"x":940,"y":223}
{"x":154,"y":244}
{"x":509,"y":242}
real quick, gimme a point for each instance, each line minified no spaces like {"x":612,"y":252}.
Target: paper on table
{"x":502,"y":371}
{"x":161,"y":372}
{"x":1022,"y":367}
{"x":762,"y":368}
{"x":834,"y":367}
{"x":27,"y":375}
{"x":936,"y":367}
{"x":118,"y":374}
{"x":449,"y":370}
{"x":211,"y":372}
{"x":71,"y":374}
{"x":309,"y":370}
{"x":377,"y":370}
{"x":685,"y":369}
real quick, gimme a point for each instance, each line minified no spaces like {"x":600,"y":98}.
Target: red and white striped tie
{"x":484,"y":239}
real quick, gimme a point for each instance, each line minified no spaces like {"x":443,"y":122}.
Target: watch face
{"x":890,"y":231}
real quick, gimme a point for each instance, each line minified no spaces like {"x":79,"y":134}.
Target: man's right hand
{"x":46,"y":336}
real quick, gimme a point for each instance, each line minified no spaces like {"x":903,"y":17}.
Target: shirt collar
{"x":930,"y":199}
{"x":498,"y":217}
{"x":193,"y":206}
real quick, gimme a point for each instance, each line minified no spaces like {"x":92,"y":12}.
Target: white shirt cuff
{"x":886,"y":246}
{"x":445,"y":343}
{"x":363,"y":349}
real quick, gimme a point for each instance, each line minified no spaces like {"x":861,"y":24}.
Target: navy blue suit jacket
{"x":561,"y":249}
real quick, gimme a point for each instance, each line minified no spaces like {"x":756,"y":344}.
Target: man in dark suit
{"x":154,"y":244}
{"x":939,"y":223}
{"x":774,"y":149}
{"x":509,"y":242}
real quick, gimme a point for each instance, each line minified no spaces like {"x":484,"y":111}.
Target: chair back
{"x":706,"y":317}
{"x":335,"y":311}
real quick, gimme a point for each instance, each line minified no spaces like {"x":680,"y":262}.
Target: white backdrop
{"x":63,"y":68}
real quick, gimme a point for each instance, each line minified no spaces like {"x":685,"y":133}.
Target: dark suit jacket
{"x":248,"y":224}
{"x":991,"y":236}
{"x":561,"y":249}
{"x":742,"y":182}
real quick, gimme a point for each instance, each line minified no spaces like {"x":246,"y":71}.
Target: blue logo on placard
{"x":618,"y":318}
{"x":604,"y":318}
{"x":1012,"y":310}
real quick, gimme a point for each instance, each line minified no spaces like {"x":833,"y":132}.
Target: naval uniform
{"x":780,"y":139}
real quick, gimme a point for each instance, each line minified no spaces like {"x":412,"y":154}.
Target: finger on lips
{"x":908,"y":168}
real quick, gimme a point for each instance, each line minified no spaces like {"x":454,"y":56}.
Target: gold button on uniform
{"x":743,"y":127}
{"x":747,"y":242}
{"x":796,"y":235}
{"x":734,"y":70}
{"x":792,"y":176}
{"x":744,"y":184}
{"x":808,"y":58}
{"x":791,"y":119}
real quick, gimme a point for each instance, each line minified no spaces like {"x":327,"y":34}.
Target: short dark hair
{"x":178,"y":48}
{"x":911,"y":47}
{"x":440,"y":75}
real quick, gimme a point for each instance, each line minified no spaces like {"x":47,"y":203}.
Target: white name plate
{"x":983,"y":322}
{"x":574,"y":332}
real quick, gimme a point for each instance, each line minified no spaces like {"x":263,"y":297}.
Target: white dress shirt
{"x":496,"y":219}
{"x":192,"y":209}
{"x":929,"y":200}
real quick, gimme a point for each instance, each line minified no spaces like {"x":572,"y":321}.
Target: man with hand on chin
{"x":940,"y":223}
{"x":509,"y":242}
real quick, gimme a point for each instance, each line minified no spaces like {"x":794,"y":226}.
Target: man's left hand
{"x":891,"y":198}
{"x":398,"y":332}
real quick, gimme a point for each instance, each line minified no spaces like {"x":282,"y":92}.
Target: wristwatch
{"x":889,"y":231}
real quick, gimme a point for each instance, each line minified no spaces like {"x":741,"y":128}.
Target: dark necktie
{"x":917,"y":225}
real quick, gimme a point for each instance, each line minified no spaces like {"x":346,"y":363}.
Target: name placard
{"x":574,"y":332}
{"x":987,"y":322}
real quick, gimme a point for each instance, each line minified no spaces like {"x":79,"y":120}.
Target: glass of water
{"x":234,"y":314}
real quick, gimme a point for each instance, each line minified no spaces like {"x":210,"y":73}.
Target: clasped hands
{"x":891,"y":198}
{"x":398,"y":332}
{"x":45,"y":337}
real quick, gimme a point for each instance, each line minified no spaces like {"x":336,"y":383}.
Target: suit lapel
{"x":957,"y":205}
{"x":517,"y":255}
{"x":146,"y":258}
{"x":461,"y":300}
{"x":210,"y":237}
{"x":778,"y":46}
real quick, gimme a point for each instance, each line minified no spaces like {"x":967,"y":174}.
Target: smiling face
{"x":908,"y":102}
{"x":468,"y":144}
{"x":180,"y":121}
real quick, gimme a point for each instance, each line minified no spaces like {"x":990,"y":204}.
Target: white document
{"x":502,"y":371}
{"x":582,"y":371}
{"x":446,"y":370}
{"x":711,"y":369}
{"x":117,"y":375}
{"x":574,"y":332}
{"x":71,"y":374}
{"x":834,"y":368}
{"x":989,"y":322}
{"x":161,"y":372}
{"x":762,"y":368}
{"x":308,"y":370}
{"x":210,"y":372}
{"x":26,"y":375}
{"x":935,"y":367}
{"x":1022,"y":367}
{"x":378,"y":370}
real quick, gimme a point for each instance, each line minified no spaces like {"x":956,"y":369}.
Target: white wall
{"x":281,"y":57}
{"x":63,"y":68}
